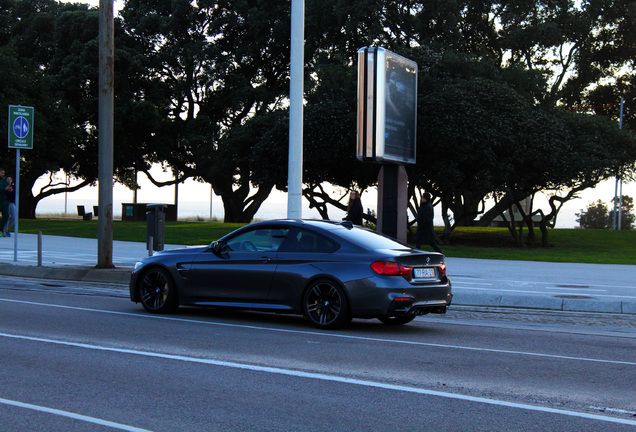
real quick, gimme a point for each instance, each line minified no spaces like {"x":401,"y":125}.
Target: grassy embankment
{"x":566,"y":245}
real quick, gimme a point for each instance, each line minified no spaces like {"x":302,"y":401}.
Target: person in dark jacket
{"x":4,"y":201}
{"x":425,"y":233}
{"x":6,"y":230}
{"x":354,"y":209}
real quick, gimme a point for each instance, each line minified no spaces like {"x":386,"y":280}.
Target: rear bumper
{"x":401,"y":306}
{"x":396,"y":297}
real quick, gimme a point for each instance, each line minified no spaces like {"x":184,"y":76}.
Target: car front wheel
{"x":157,"y":291}
{"x":325,"y":305}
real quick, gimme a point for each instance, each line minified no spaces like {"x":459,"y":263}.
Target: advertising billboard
{"x":387,"y":106}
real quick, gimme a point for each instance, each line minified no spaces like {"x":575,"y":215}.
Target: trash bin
{"x":155,"y":225}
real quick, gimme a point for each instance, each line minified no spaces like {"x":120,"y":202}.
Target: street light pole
{"x":618,"y":199}
{"x":296,"y":85}
{"x":105,"y":134}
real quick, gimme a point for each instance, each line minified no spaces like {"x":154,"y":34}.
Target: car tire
{"x":397,"y":320}
{"x":157,"y":291}
{"x":325,"y":305}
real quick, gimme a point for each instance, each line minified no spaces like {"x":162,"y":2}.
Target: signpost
{"x":20,"y":127}
{"x":20,"y":136}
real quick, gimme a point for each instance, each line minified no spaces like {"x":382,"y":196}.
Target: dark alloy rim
{"x":324,"y":303}
{"x":154,"y":290}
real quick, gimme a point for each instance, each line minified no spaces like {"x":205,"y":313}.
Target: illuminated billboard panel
{"x":387,"y":106}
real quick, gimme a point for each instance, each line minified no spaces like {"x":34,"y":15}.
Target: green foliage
{"x":201,"y":87}
{"x":597,"y":215}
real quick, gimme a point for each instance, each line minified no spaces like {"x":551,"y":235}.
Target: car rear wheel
{"x":157,"y":291}
{"x":325,"y":305}
{"x":397,"y":320}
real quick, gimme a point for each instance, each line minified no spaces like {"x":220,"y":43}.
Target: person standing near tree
{"x":425,"y":233}
{"x":4,"y":201}
{"x":354,"y":209}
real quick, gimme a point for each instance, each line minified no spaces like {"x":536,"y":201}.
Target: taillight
{"x":442,"y":269}
{"x":390,"y":268}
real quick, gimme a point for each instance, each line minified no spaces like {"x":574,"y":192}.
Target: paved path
{"x":476,"y":282}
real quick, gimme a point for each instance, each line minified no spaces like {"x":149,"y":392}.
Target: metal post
{"x":39,"y":248}
{"x":105,"y":130}
{"x":620,"y":200}
{"x":296,"y":86}
{"x":16,"y":183}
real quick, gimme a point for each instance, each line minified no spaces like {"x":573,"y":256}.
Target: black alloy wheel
{"x":397,"y":320}
{"x":325,"y":305}
{"x":157,"y":291}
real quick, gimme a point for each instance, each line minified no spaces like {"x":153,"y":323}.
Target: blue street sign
{"x":20,"y":127}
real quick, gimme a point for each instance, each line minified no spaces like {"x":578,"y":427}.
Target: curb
{"x":120,"y":276}
{"x":544,"y":303}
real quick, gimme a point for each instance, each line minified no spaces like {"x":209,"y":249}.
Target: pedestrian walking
{"x":6,"y":230}
{"x":4,"y":201}
{"x":425,"y":233}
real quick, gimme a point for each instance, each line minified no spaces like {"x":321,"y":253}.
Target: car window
{"x":258,"y":240}
{"x":369,"y":239}
{"x":302,"y":240}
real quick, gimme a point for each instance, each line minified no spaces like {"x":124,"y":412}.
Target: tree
{"x":597,"y":215}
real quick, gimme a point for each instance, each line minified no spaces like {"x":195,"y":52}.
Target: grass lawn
{"x":566,"y":245}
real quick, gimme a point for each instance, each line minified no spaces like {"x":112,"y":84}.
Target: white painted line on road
{"x":496,"y":290}
{"x":72,"y":415}
{"x":330,"y":335}
{"x":330,"y":378}
{"x":534,"y":282}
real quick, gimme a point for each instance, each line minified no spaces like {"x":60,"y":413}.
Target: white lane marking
{"x":496,"y":290}
{"x":534,"y":282}
{"x":330,"y":378}
{"x":72,"y":415}
{"x":330,"y":335}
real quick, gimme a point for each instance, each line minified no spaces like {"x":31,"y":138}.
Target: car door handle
{"x":265,"y":259}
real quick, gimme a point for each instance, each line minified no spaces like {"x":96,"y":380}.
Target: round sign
{"x":21,"y":127}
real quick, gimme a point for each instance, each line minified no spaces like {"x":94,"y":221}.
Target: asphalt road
{"x":78,"y":357}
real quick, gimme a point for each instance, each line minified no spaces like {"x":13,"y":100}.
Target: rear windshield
{"x":368,"y":239}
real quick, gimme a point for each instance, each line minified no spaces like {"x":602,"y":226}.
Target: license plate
{"x":424,"y":273}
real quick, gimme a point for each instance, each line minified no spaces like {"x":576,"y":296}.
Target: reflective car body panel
{"x":270,"y":265}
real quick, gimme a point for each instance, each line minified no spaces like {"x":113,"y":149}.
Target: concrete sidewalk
{"x":493,"y":283}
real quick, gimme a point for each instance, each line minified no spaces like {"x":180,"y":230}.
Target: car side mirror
{"x":218,"y":247}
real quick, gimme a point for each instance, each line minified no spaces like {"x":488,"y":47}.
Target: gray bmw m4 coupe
{"x":330,"y":272}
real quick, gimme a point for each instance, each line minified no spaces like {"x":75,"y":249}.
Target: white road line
{"x":330,"y":378}
{"x":533,"y":282}
{"x":330,"y":335}
{"x":582,"y":292}
{"x":72,"y":415}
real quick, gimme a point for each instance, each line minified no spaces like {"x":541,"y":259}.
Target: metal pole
{"x":620,"y":199}
{"x":105,"y":130}
{"x":618,"y":207}
{"x":16,"y":183}
{"x":296,"y":86}
{"x":39,"y":248}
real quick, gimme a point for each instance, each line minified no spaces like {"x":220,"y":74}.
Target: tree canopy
{"x":515,"y":98}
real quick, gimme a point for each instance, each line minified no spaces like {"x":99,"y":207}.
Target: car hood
{"x":189,"y":250}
